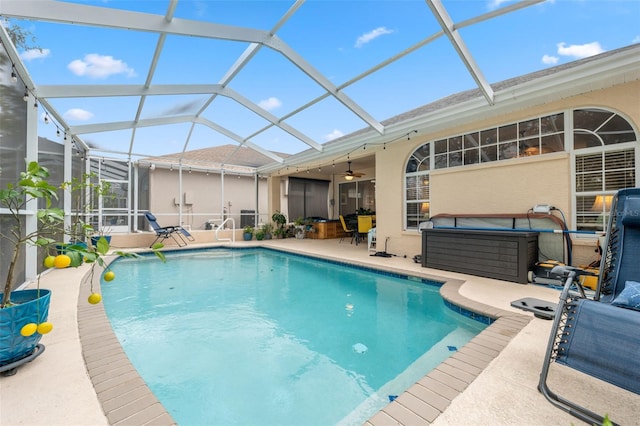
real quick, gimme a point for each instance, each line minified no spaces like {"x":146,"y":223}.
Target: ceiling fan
{"x":350,"y":174}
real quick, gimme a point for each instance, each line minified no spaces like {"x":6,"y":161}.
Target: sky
{"x":340,"y":39}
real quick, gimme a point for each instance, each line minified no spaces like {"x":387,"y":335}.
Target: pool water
{"x":257,"y":336}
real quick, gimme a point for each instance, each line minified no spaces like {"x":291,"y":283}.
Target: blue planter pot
{"x":95,"y":238}
{"x":27,"y":308}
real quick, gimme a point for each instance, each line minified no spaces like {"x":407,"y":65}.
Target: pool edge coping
{"x":126,"y":400}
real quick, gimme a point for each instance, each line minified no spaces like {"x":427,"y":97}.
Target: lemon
{"x":109,"y":276}
{"x":49,"y":261}
{"x":28,"y":329}
{"x":44,"y":327}
{"x":95,"y":298}
{"x":62,"y":261}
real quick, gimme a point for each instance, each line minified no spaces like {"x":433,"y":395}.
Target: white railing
{"x":233,"y":230}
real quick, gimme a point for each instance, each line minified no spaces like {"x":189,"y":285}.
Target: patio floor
{"x":491,"y":381}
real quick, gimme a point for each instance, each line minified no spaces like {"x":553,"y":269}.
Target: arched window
{"x":417,"y":187}
{"x":604,"y":148}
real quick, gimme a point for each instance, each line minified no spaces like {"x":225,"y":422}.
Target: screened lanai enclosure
{"x":215,"y":115}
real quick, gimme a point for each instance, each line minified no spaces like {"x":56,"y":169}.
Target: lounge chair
{"x":164,"y":232}
{"x":599,"y":336}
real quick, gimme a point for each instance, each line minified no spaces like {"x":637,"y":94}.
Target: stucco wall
{"x":511,"y":186}
{"x":205,"y":195}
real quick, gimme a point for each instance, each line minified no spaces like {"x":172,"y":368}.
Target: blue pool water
{"x":256,"y":336}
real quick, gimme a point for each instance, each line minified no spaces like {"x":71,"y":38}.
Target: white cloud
{"x":580,"y":50}
{"x":550,"y":60}
{"x":636,"y":39}
{"x":270,"y":103}
{"x":371,"y":35}
{"x":99,"y":66}
{"x":31,"y":54}
{"x":77,"y":114}
{"x":494,"y":4}
{"x":335,"y":134}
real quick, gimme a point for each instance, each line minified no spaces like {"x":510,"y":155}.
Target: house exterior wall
{"x":203,"y":197}
{"x":511,"y":186}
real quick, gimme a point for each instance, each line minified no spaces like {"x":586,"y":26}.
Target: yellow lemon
{"x":45,"y":327}
{"x":28,"y":329}
{"x":49,"y":261}
{"x":95,"y":298}
{"x":62,"y":261}
{"x":109,"y":276}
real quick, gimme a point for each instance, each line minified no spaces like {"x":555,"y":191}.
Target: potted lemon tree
{"x":24,"y":313}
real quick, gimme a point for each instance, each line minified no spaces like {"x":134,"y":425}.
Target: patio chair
{"x":164,"y":232}
{"x":365,"y":223}
{"x":371,"y":240}
{"x":599,"y":336}
{"x":349,"y":232}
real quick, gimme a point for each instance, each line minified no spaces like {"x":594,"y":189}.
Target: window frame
{"x":577,"y":153}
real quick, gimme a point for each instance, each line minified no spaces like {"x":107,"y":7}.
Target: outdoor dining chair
{"x":365,"y":223}
{"x":347,"y":231}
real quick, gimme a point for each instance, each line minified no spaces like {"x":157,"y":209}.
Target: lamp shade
{"x":348,"y":177}
{"x":602,"y":203}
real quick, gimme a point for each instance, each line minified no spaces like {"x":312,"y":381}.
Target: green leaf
{"x":43,"y":242}
{"x":102,"y":246}
{"x":33,"y":167}
{"x":76,"y":258}
{"x":126,"y":254}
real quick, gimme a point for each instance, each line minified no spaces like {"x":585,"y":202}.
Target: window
{"x":605,"y":147}
{"x":308,"y":198}
{"x":357,"y":196}
{"x":417,"y":184}
{"x":535,"y":136}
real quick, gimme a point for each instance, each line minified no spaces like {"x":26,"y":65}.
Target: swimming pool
{"x":252,"y":336}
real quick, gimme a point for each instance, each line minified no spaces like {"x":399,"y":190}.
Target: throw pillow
{"x":629,"y":297}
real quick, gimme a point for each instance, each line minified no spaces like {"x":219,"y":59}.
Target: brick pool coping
{"x":127,"y":400}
